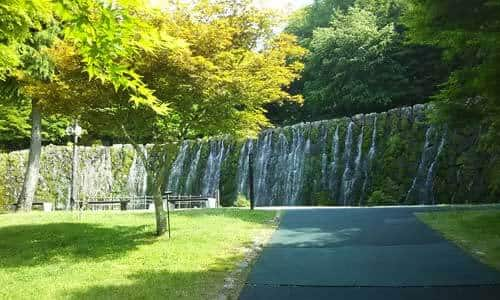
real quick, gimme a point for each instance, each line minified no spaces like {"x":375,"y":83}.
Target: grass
{"x":478,"y":232}
{"x":114,"y":255}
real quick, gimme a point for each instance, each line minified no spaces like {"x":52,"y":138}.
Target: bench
{"x":44,"y":206}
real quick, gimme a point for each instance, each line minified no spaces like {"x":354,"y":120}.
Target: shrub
{"x":3,"y":200}
{"x":323,"y":199}
{"x":242,"y":201}
{"x":379,"y":198}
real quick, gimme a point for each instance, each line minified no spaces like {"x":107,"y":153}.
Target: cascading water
{"x":358,"y":172}
{"x":243,"y":165}
{"x":312,"y":163}
{"x":177,"y":169}
{"x":429,"y":187}
{"x":334,"y":182}
{"x":324,"y":158}
{"x":369,"y":159}
{"x":211,"y":178}
{"x":347,"y":175}
{"x":295,"y":172}
{"x":192,"y":171}
{"x":137,"y":179}
{"x":421,"y":187}
{"x":261,"y":168}
{"x":421,"y":164}
{"x":96,"y":176}
{"x":281,"y":166}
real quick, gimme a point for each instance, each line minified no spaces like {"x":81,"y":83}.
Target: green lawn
{"x":115,"y":255}
{"x":478,"y":232}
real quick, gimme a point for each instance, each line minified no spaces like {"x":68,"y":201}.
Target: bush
{"x":4,"y":202}
{"x":242,"y":201}
{"x":323,"y":199}
{"x":379,"y":198}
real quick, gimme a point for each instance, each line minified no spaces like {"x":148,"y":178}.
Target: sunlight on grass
{"x":478,"y":232}
{"x":114,"y":255}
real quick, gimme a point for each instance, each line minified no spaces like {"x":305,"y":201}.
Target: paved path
{"x":365,"y":253}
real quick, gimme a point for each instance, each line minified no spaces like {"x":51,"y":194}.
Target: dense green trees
{"x":354,"y":70}
{"x":212,"y":77}
{"x":468,"y":31}
{"x":107,"y":36}
{"x":191,"y":70}
{"x":359,"y":61}
{"x":215,"y":67}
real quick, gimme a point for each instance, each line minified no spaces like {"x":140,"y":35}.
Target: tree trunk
{"x":33,"y":167}
{"x":157,"y":178}
{"x":161,"y":220}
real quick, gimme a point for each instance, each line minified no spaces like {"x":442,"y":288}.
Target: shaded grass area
{"x":114,"y":255}
{"x":477,"y":231}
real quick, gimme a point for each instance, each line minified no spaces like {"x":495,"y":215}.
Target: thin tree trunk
{"x":157,"y":177}
{"x":161,"y":219}
{"x":33,"y":167}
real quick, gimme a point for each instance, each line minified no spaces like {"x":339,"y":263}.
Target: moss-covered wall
{"x":403,"y":160}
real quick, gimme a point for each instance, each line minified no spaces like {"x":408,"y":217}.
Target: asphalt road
{"x":365,"y":253}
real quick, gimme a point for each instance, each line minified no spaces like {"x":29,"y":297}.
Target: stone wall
{"x":394,"y":157}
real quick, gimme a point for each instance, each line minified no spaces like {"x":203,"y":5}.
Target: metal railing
{"x":144,"y":202}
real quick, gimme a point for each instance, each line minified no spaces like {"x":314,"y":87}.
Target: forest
{"x":132,"y":73}
{"x":334,"y":58}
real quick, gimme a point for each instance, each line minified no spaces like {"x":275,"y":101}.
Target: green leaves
{"x":109,"y":38}
{"x":351,"y":63}
{"x":18,"y":20}
{"x":468,"y":32}
{"x":214,"y":79}
{"x":358,"y":61}
{"x":196,"y":66}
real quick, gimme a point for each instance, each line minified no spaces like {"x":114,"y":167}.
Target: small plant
{"x":379,"y":197}
{"x":322,"y":199}
{"x":242,"y":201}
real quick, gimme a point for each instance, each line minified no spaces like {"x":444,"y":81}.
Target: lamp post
{"x":167,"y":195}
{"x":250,"y":181}
{"x":76,"y":131}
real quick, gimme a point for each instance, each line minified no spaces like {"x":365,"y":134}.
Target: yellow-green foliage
{"x":216,"y":82}
{"x":242,"y":201}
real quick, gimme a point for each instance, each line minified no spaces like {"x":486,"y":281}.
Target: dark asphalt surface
{"x":365,"y":253}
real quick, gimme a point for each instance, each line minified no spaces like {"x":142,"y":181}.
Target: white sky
{"x":286,"y":5}
{"x":283,"y":5}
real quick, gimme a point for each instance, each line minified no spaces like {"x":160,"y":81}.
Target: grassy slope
{"x":114,"y":255}
{"x":478,"y":232}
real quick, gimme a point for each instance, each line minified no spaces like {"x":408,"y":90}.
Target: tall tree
{"x":354,"y":69}
{"x":231,"y":66}
{"x":468,"y":31}
{"x":107,"y":35}
{"x":215,"y":77}
{"x":358,"y":60}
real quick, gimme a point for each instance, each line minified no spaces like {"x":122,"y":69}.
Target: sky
{"x":283,"y":5}
{"x":286,"y":5}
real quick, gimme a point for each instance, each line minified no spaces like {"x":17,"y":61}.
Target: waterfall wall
{"x":393,"y":157}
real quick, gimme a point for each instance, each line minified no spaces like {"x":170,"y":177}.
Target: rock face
{"x":393,"y":157}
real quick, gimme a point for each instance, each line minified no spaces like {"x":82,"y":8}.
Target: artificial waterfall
{"x":393,"y":157}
